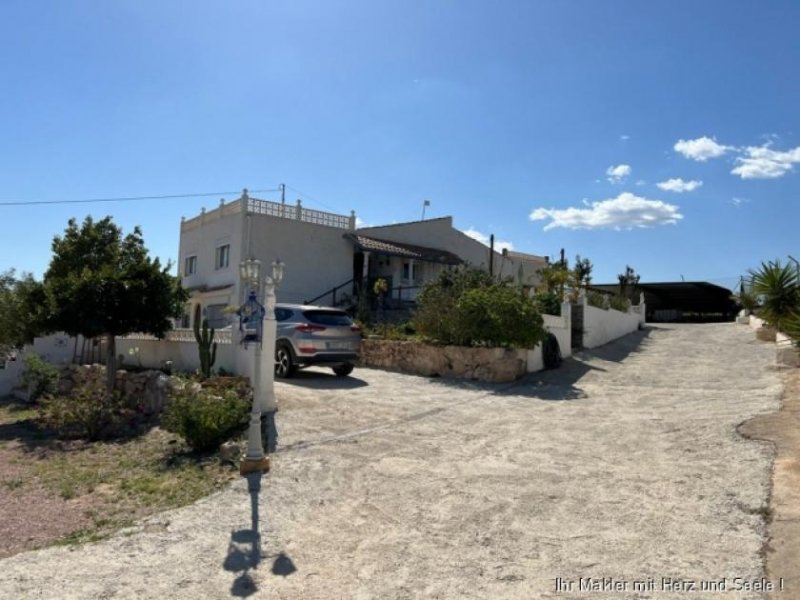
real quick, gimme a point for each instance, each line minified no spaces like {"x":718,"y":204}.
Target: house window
{"x":190,"y":266}
{"x":412,"y":271}
{"x":222,"y":257}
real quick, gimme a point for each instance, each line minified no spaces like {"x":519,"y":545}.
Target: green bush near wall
{"x":467,"y":307}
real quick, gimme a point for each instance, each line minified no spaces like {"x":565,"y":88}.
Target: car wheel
{"x":343,"y":370}
{"x":284,"y":365}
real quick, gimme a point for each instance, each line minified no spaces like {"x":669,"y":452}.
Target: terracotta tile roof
{"x":370,"y":244}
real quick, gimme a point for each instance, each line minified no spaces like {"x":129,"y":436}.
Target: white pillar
{"x":266,"y":391}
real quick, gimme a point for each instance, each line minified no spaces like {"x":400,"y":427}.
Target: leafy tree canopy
{"x":101,"y":283}
{"x":22,"y":305}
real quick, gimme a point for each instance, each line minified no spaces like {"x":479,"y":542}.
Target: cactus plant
{"x":206,"y":346}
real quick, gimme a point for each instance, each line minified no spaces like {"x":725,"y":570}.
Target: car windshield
{"x":328,"y":317}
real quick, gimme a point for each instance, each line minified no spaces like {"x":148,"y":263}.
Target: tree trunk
{"x":111,"y":362}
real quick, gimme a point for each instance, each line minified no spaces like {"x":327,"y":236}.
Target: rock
{"x":766,"y":333}
{"x":230,"y":452}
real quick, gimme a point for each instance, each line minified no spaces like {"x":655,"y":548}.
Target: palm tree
{"x":777,"y":286}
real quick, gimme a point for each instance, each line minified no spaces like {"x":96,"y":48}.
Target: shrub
{"x":204,"y":419}
{"x":89,"y":411}
{"x":40,"y":377}
{"x":596,"y":299}
{"x":619,"y":303}
{"x":548,"y":303}
{"x":468,"y":307}
{"x":779,"y":289}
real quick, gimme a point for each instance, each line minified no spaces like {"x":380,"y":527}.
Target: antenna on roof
{"x":425,"y":204}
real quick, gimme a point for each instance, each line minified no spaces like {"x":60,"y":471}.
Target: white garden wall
{"x":56,"y":349}
{"x":179,"y":347}
{"x":603,"y":325}
{"x":561,"y":327}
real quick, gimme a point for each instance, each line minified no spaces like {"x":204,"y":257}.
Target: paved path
{"x":624,"y":463}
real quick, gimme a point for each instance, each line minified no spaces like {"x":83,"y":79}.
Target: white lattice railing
{"x":221,"y":336}
{"x":298,"y":213}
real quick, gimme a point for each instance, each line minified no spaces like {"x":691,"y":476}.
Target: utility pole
{"x":491,"y":255}
{"x":283,"y":193}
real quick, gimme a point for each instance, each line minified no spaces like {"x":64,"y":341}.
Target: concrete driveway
{"x":623,"y":464}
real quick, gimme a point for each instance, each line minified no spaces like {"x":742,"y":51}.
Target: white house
{"x":326,"y":257}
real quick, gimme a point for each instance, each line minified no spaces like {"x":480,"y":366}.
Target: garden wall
{"x":561,"y":327}
{"x":56,"y":349}
{"x":496,"y":365}
{"x":603,"y":325}
{"x":179,"y":346}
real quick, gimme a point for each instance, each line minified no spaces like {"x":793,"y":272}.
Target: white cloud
{"x":626,"y":211}
{"x":700,"y":149}
{"x":676,"y":184}
{"x":737,"y":202}
{"x":360,"y":223}
{"x":499,"y":245}
{"x":624,"y":138}
{"x":617,"y":173}
{"x":761,"y":162}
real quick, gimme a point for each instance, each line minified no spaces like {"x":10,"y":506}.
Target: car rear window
{"x":328,"y":317}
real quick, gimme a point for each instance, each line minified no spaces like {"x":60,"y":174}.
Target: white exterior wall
{"x":601,"y":326}
{"x":317,"y":257}
{"x":561,"y":327}
{"x":202,"y":235}
{"x":440,"y":233}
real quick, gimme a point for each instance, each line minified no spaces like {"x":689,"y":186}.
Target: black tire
{"x":284,"y":362}
{"x":343,"y":370}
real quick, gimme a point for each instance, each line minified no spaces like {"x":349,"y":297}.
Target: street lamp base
{"x":249,"y":465}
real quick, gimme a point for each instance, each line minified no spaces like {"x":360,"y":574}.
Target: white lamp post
{"x":263,"y":370}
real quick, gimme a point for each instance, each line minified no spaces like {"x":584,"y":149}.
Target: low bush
{"x":467,"y":307}
{"x":89,"y":411}
{"x":40,"y":377}
{"x":619,"y":303}
{"x":392,"y":331}
{"x":548,"y":303}
{"x":221,"y":384}
{"x":596,"y":299}
{"x":205,"y":419}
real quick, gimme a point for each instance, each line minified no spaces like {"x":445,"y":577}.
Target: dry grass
{"x":96,"y":487}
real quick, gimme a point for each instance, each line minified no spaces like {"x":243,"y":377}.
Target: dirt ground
{"x":783,"y":430}
{"x":624,"y":464}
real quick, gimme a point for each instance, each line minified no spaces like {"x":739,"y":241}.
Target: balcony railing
{"x":298,"y":213}
{"x":221,"y":336}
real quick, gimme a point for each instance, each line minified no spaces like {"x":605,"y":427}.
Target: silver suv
{"x":315,"y":335}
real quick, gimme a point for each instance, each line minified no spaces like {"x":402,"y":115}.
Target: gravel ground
{"x":625,"y":464}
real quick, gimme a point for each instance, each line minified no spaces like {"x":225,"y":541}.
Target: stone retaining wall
{"x":496,"y":365}
{"x":150,"y":389}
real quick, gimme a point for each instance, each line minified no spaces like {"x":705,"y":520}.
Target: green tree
{"x":554,"y":277}
{"x":628,"y":283}
{"x":100,"y":283}
{"x":22,"y":304}
{"x":582,"y":271}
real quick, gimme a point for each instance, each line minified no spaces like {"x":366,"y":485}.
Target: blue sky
{"x":550,"y":124}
